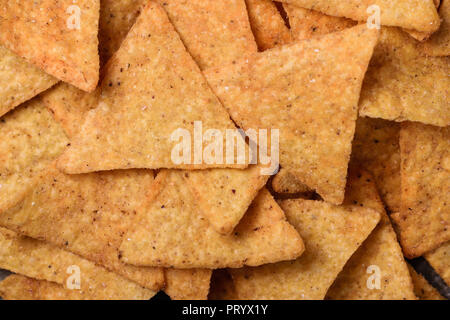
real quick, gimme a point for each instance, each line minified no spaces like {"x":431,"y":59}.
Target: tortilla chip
{"x":424,"y":217}
{"x":224,"y":195}
{"x":59,"y":48}
{"x":267,"y":24}
{"x":43,"y":261}
{"x":403,"y":84}
{"x":161,"y":237}
{"x":299,"y":89}
{"x":30,"y":140}
{"x":331,"y":233}
{"x":439,"y":43}
{"x":286,"y":182}
{"x":306,"y":23}
{"x":87,"y":215}
{"x":141,"y":90}
{"x":420,"y":15}
{"x":376,"y":148}
{"x":214,"y":32}
{"x":380,"y":249}
{"x":422,"y":36}
{"x":422,"y":289}
{"x":19,"y":81}
{"x":439,"y":259}
{"x":17,"y":287}
{"x":190,"y":284}
{"x":222,"y":286}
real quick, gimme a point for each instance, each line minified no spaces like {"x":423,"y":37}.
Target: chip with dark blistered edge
{"x":222,"y":286}
{"x":18,"y":287}
{"x":160,"y":236}
{"x":424,"y":217}
{"x":153,"y":94}
{"x":66,"y":45}
{"x":439,"y":259}
{"x":86,"y":214}
{"x":331,"y":234}
{"x":439,"y":43}
{"x":380,"y":250}
{"x":422,"y":289}
{"x":40,"y":260}
{"x":187,"y":284}
{"x":267,"y":24}
{"x":309,"y":91}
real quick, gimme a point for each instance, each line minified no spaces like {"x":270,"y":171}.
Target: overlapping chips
{"x":439,"y":259}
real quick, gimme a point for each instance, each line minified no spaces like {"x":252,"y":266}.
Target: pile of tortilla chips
{"x":123,"y":124}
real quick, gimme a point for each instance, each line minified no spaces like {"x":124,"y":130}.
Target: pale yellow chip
{"x":153,"y":95}
{"x":331,"y":234}
{"x":30,"y":140}
{"x":19,"y":81}
{"x":376,"y":148}
{"x":222,"y":286}
{"x":267,"y":24}
{"x":379,"y":255}
{"x":306,"y":23}
{"x":58,"y":36}
{"x":286,"y":182}
{"x":403,"y":84}
{"x":423,"y":222}
{"x":309,"y":91}
{"x":422,"y":289}
{"x":40,"y":260}
{"x":420,"y":15}
{"x":439,"y":259}
{"x":161,"y":238}
{"x":18,"y":287}
{"x":439,"y":43}
{"x":86,"y":214}
{"x":214,"y":32}
{"x":187,"y":284}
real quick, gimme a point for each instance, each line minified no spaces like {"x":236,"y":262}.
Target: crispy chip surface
{"x":422,"y":289}
{"x":222,"y":286}
{"x":439,"y":259}
{"x":286,"y":182}
{"x":439,"y":43}
{"x":187,"y":284}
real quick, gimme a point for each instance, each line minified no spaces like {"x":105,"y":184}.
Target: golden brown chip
{"x":43,"y":261}
{"x":376,"y":148}
{"x":267,"y":24}
{"x":422,"y":289}
{"x":214,"y":32}
{"x":66,"y":43}
{"x":86,"y":214}
{"x":420,"y":15}
{"x":222,"y":286}
{"x":30,"y":140}
{"x":161,"y":238}
{"x":19,"y":81}
{"x":151,"y":90}
{"x":439,"y":43}
{"x":188,"y":284}
{"x":424,"y":217}
{"x":17,"y":287}
{"x":403,"y":84}
{"x":309,"y":91}
{"x":306,"y":23}
{"x":286,"y":182}
{"x":439,"y":259}
{"x":380,"y":252}
{"x":331,"y":233}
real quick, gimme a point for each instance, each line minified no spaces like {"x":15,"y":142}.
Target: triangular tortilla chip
{"x":423,"y":222}
{"x":309,"y":91}
{"x":306,"y":23}
{"x":19,"y":81}
{"x":422,"y":289}
{"x":30,"y":140}
{"x":380,"y":249}
{"x":331,"y":235}
{"x":147,"y":95}
{"x":420,"y":15}
{"x":214,"y":32}
{"x":286,"y":182}
{"x":59,"y":37}
{"x":188,"y":284}
{"x":170,"y":232}
{"x":376,"y":148}
{"x":439,"y":259}
{"x":43,"y":261}
{"x":222,"y":286}
{"x":422,"y":36}
{"x":18,"y":287}
{"x":86,"y":214}
{"x":439,"y":43}
{"x":403,"y":84}
{"x":267,"y":24}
